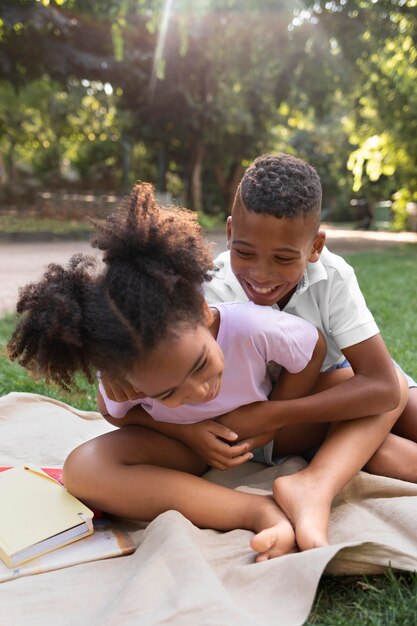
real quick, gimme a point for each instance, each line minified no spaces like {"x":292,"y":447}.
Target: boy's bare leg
{"x":138,"y":473}
{"x":406,"y":425}
{"x":306,"y":496}
{"x":396,"y":457}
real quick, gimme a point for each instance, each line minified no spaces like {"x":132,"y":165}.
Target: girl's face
{"x":182,"y":369}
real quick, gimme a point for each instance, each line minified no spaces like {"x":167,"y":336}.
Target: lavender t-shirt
{"x":250,"y":336}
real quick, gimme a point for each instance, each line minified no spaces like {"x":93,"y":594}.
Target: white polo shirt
{"x":328,"y":296}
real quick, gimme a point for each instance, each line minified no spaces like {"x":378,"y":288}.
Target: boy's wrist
{"x":254,"y":419}
{"x":274,"y":415}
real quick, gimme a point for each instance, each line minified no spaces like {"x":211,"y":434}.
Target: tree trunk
{"x":126,"y":154}
{"x":195,"y":178}
{"x":162,"y":170}
{"x":11,"y":169}
{"x":229,"y":184}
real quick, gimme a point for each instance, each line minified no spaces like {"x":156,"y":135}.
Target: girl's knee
{"x":80,"y":465}
{"x":94,"y":463}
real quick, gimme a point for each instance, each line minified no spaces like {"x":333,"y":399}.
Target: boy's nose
{"x":262,"y":272}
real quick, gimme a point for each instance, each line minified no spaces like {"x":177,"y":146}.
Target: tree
{"x":378,"y":43}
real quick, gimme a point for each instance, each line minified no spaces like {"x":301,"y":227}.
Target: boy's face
{"x":269,"y":255}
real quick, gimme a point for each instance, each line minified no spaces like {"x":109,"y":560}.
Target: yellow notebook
{"x":37,"y":515}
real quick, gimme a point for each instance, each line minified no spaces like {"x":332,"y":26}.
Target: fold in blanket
{"x":183,"y":575}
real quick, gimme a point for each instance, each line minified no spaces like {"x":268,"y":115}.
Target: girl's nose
{"x":198,"y":391}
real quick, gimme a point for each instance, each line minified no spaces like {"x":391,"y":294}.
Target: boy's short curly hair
{"x":280,"y":185}
{"x":85,"y":316}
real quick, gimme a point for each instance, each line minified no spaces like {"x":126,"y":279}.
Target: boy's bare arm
{"x":372,"y":390}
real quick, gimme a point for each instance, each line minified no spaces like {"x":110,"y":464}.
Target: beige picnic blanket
{"x":186,"y":576}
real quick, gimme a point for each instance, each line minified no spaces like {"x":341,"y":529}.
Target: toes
{"x":261,"y":557}
{"x":264,"y":540}
{"x":273,"y":542}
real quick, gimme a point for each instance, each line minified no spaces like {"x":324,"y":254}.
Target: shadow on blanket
{"x":184,"y":575}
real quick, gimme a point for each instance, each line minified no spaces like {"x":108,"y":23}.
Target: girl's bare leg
{"x":306,"y":496}
{"x":138,"y":473}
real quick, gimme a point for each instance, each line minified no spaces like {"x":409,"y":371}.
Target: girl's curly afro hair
{"x":87,"y":316}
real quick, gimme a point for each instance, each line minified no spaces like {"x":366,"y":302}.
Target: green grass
{"x":75,"y":228}
{"x":15,"y":378}
{"x":386,"y":600}
{"x":388,"y":282}
{"x":13,"y":224}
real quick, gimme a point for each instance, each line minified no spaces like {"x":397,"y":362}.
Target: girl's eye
{"x":201,"y":367}
{"x":168,"y":395}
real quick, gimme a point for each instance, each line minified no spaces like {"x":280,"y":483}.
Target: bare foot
{"x":305,"y":507}
{"x":275,"y":535}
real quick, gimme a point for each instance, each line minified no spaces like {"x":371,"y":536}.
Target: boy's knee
{"x":403,"y":390}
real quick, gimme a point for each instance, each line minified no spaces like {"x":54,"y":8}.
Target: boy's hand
{"x":119,"y":392}
{"x":214,"y":443}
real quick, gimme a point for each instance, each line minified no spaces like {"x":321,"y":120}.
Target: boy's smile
{"x":269,"y":254}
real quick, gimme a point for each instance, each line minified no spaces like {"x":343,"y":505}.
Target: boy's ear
{"x":228,"y":231}
{"x":317,"y":247}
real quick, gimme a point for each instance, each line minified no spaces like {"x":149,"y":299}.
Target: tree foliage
{"x":189,"y":93}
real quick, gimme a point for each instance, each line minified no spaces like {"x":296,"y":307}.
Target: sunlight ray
{"x":159,"y":52}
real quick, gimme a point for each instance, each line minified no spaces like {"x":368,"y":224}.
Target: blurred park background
{"x":96,"y":94}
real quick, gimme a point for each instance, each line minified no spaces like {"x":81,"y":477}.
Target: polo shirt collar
{"x":314,"y":273}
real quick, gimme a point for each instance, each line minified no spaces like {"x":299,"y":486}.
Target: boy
{"x":277,"y":258}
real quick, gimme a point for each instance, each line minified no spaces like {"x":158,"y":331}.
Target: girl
{"x":143,"y":319}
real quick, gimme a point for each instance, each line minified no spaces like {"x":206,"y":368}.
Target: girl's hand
{"x":214,"y":443}
{"x":119,"y":392}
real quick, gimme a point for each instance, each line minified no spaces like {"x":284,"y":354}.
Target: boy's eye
{"x":283,"y":259}
{"x":244,"y":253}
